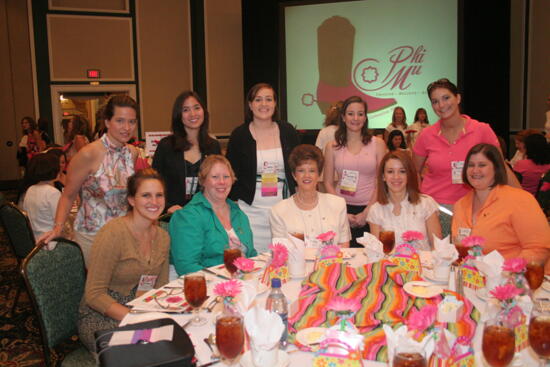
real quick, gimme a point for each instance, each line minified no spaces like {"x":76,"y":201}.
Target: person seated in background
{"x":396,"y":140}
{"x":400,"y":206}
{"x":40,"y":195}
{"x":210,"y":222}
{"x":535,"y":164}
{"x":519,"y":141}
{"x":398,"y":122}
{"x":509,"y":219}
{"x":129,"y":257}
{"x":420,"y":123}
{"x":309,"y":213}
{"x":61,"y":180}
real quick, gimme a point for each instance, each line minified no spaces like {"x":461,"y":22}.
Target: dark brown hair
{"x":442,"y":83}
{"x":341,"y":135}
{"x":332,"y":116}
{"x":305,"y":152}
{"x":119,"y":100}
{"x":382,"y":194}
{"x":418,"y":113}
{"x":248,"y":115}
{"x":491,"y":153}
{"x":404,"y":116}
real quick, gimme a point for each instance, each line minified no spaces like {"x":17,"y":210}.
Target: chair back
{"x":18,"y":228}
{"x":55,"y":280}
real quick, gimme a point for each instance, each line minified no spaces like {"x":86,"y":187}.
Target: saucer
{"x":546,"y":285}
{"x":283,"y":360}
{"x":423,"y":289}
{"x":483,"y":293}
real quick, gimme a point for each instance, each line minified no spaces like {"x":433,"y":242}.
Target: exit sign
{"x":93,"y":73}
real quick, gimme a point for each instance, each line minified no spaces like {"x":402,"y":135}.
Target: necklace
{"x":302,"y":204}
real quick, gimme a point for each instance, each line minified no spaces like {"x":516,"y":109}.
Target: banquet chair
{"x":55,"y":280}
{"x":18,"y":228}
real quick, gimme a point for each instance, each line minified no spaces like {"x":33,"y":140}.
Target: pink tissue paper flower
{"x":471,"y":241}
{"x":330,"y":250}
{"x":279,"y":255}
{"x":515,"y":265}
{"x":505,"y":292}
{"x":545,"y":186}
{"x":327,"y":236}
{"x":340,"y":304}
{"x":412,"y":236}
{"x":230,"y":288}
{"x":422,"y":319}
{"x":243,"y":264}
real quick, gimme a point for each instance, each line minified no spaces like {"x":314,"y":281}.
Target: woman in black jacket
{"x":258,"y":151}
{"x":179,"y":156}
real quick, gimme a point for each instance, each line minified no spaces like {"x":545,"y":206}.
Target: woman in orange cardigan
{"x":509,"y":219}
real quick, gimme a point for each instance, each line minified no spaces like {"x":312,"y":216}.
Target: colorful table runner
{"x":384,"y":301}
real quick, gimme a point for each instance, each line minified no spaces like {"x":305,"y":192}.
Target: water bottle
{"x":276,"y":302}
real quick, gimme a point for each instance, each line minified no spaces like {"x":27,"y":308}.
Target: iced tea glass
{"x":229,"y":256}
{"x":534,"y":273}
{"x":498,"y":344}
{"x":409,"y":357}
{"x":539,"y":334}
{"x":194,"y":287}
{"x":387,"y":238}
{"x":229,"y":336}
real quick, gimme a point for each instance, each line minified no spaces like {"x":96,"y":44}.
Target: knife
{"x":206,"y":270}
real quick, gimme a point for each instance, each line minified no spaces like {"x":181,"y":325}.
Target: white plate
{"x":546,"y":285}
{"x":311,"y":254}
{"x":283,"y":360}
{"x":423,"y":289}
{"x":311,"y":335}
{"x":429,"y":276}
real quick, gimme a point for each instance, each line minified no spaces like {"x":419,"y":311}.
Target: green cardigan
{"x":198,"y":237}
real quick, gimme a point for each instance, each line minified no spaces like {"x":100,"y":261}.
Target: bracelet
{"x":58,"y":224}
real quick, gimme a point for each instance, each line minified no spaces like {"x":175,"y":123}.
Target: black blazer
{"x":241,"y":152}
{"x":171,"y":166}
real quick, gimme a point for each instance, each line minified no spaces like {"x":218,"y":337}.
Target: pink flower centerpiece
{"x":244,"y":265}
{"x":412,"y":238}
{"x":279,"y":255}
{"x":326,"y":238}
{"x":510,"y":313}
{"x":330,"y":251}
{"x":476,"y":243}
{"x":515,"y":265}
{"x":421,"y":320}
{"x":228,"y":290}
{"x":345,"y":308}
{"x":505,"y":293}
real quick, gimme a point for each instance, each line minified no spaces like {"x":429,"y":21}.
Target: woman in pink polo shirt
{"x":442,"y":147}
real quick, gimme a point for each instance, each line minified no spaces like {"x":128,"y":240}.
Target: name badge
{"x":348,"y":183}
{"x":269,"y":179}
{"x":191,"y":184}
{"x":146,"y":283}
{"x":456,"y":171}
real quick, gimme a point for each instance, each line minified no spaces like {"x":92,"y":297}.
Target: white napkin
{"x":263,"y":327}
{"x":491,"y":266}
{"x":244,"y":299}
{"x":401,"y":338}
{"x":373,"y":247}
{"x":444,"y":254}
{"x":295,"y":246}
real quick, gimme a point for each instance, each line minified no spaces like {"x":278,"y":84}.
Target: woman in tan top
{"x":129,"y":256}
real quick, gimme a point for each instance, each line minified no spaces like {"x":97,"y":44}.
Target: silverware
{"x":213,"y":303}
{"x":182,"y":312}
{"x":210,"y":363}
{"x":186,"y":323}
{"x":206,"y":270}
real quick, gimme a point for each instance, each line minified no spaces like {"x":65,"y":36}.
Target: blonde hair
{"x":209,"y":162}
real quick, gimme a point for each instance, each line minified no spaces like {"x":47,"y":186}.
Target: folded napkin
{"x":444,"y":252}
{"x":373,"y":247}
{"x":244,"y":299}
{"x":263,"y":327}
{"x":491,"y":266}
{"x":296,"y":250}
{"x":400,"y":337}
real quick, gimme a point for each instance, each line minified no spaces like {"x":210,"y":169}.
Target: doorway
{"x":83,"y":100}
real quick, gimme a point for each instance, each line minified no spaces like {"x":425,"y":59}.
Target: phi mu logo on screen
{"x":340,"y":79}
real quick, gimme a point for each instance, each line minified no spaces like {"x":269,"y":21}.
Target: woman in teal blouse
{"x":210,"y":222}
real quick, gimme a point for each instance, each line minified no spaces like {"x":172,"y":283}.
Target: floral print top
{"x":103,"y":193}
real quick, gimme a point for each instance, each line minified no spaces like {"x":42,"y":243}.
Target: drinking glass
{"x":194,"y":287}
{"x":229,"y":336}
{"x":388,"y":240}
{"x":539,"y":333}
{"x":409,"y":357}
{"x":229,"y":255}
{"x":498,"y":343}
{"x":534,"y":273}
{"x":299,"y":236}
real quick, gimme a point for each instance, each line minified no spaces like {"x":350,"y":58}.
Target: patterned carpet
{"x":20,"y":343}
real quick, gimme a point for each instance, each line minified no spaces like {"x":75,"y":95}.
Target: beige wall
{"x":224,"y":64}
{"x":16,"y":84}
{"x":164,"y":58}
{"x":539,"y":63}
